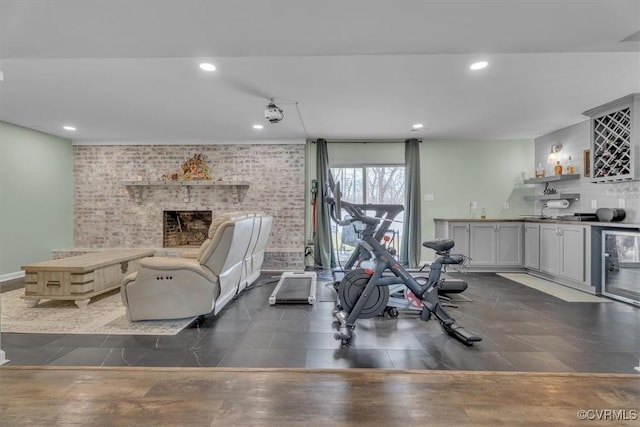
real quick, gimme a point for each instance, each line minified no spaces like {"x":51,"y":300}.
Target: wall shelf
{"x":552,"y":178}
{"x":553,"y":196}
{"x":135,"y":188}
{"x":568,"y":196}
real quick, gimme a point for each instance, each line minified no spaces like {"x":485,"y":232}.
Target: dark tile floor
{"x":523,"y":330}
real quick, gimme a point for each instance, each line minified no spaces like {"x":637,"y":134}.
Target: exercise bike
{"x":400,"y":297}
{"x":364,"y":293}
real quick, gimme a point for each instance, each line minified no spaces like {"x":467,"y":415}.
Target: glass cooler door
{"x":621,"y":266}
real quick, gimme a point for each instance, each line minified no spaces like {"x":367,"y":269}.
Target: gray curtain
{"x":412,"y":241}
{"x":323,"y":245}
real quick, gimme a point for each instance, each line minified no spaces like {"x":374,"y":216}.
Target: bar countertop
{"x":544,"y":221}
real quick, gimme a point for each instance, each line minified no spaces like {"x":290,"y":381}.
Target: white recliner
{"x":255,"y":255}
{"x":228,"y":261}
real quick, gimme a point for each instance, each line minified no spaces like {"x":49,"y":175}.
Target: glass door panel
{"x":374,"y":184}
{"x":621,"y":266}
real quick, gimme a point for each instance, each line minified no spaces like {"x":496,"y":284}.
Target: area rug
{"x":565,"y":293}
{"x":105,"y":314}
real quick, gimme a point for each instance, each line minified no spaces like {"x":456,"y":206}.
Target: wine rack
{"x":614,"y":140}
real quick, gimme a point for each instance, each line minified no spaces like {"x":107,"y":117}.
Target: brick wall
{"x":107,"y":216}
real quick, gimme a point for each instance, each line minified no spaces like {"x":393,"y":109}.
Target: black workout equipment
{"x":364,"y":293}
{"x":387,"y":214}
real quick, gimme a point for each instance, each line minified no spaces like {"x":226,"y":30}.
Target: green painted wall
{"x":36,"y":196}
{"x":456,"y":173}
{"x":487,"y":172}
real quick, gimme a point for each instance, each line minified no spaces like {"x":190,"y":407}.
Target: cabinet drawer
{"x":53,"y":283}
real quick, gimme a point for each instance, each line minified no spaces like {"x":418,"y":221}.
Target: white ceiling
{"x":122,"y":70}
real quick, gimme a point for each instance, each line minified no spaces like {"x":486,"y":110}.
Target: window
{"x":371,"y":184}
{"x":376,"y":184}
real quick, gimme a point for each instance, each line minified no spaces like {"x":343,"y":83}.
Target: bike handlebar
{"x":357,"y":210}
{"x":356,"y":215}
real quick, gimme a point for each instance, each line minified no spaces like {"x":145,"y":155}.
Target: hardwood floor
{"x":67,"y":396}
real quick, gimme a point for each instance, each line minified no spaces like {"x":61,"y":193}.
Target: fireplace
{"x":185,"y":228}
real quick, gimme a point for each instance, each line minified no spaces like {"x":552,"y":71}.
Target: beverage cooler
{"x":621,"y":266}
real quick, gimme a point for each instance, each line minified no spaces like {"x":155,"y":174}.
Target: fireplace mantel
{"x":136,"y":188}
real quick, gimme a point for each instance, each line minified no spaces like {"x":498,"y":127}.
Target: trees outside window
{"x":371,"y":184}
{"x":376,"y":184}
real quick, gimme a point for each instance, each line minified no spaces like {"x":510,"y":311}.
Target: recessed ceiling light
{"x":206,"y":66}
{"x":258,"y":126}
{"x":417,"y":126}
{"x":71,"y":128}
{"x":479,"y":65}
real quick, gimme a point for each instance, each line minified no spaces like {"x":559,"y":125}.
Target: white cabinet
{"x":558,"y":251}
{"x":496,"y":244}
{"x":482,"y":244}
{"x":550,"y":248}
{"x":572,"y":253}
{"x":459,"y":233}
{"x":532,"y":245}
{"x":510,"y":244}
{"x":489,"y":244}
{"x":563,"y":251}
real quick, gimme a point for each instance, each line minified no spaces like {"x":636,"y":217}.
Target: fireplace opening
{"x":185,"y":228}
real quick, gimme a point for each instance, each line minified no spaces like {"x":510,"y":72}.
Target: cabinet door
{"x":459,"y":233}
{"x":510,"y":245}
{"x":572,"y":251}
{"x":483,"y":244}
{"x":549,"y":249}
{"x":532,"y":246}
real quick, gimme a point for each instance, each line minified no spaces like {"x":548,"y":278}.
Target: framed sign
{"x":586,"y":162}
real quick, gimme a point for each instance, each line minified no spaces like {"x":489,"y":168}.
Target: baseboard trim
{"x":11,"y":276}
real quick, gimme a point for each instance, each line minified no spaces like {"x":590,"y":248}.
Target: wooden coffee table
{"x":79,"y":278}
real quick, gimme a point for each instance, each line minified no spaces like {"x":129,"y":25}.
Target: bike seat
{"x":440,"y":245}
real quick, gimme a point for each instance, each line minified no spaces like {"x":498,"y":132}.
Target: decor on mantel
{"x":193,"y":172}
{"x":194,"y":169}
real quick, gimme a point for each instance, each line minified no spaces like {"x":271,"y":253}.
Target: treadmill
{"x":295,"y":288}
